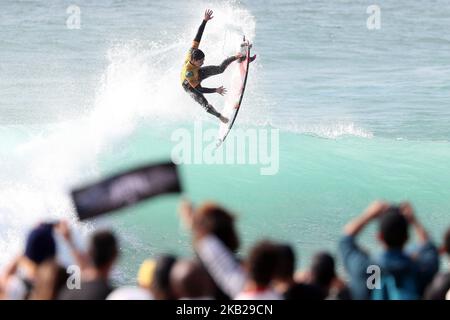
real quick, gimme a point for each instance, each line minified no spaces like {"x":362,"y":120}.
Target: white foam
{"x":328,"y":130}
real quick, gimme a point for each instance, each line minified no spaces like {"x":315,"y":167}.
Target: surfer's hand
{"x":239,"y":55}
{"x":208,"y":15}
{"x":221,"y":90}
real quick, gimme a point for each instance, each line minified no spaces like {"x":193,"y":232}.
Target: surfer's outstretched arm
{"x":198,"y":36}
{"x":201,"y":89}
{"x":221,"y":90}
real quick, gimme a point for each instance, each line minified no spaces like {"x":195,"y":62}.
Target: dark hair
{"x":447,"y":242}
{"x":286,"y":261}
{"x":394,"y":228}
{"x":190,"y":280}
{"x":103,"y":248}
{"x":161,"y":279}
{"x":323,"y":269}
{"x":197,"y":54}
{"x":216,"y":220}
{"x":262,"y":262}
{"x":40,"y":244}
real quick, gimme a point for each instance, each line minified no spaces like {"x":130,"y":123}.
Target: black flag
{"x":126,"y":189}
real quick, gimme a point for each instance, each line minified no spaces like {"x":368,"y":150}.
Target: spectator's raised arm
{"x":355,"y":259}
{"x":80,"y":257}
{"x":355,"y":226}
{"x":214,"y":242}
{"x":221,"y":264}
{"x":408,"y":212}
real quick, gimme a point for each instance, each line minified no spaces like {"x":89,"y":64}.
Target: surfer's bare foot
{"x":223,"y":119}
{"x":240,"y":57}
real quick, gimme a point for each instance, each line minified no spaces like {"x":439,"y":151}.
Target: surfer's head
{"x":197,"y":57}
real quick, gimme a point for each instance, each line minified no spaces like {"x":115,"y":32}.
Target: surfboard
{"x":235,"y":95}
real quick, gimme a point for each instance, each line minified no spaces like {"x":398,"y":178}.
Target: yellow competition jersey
{"x":189,"y":72}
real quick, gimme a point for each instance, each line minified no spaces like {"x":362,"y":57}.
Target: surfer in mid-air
{"x":193,"y":73}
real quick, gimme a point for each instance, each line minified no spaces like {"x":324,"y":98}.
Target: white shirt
{"x":267,"y":294}
{"x":130,"y":293}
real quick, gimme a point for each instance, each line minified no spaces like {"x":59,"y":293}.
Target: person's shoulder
{"x":305,"y":292}
{"x":439,"y":287}
{"x":99,"y":285}
{"x":417,"y":248}
{"x":424,"y":255}
{"x":443,"y":278}
{"x":67,"y":294}
{"x":89,"y":290}
{"x":346,"y":239}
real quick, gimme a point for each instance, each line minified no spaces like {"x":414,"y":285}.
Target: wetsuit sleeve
{"x":196,"y":42}
{"x":205,"y":90}
{"x":198,"y":36}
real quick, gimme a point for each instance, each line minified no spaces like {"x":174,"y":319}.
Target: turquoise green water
{"x":321,"y":184}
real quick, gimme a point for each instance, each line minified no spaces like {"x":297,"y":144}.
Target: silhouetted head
{"x":393,"y":228}
{"x":262,"y":262}
{"x":216,"y":220}
{"x":40,"y":244}
{"x":188,"y":279}
{"x":285,"y":262}
{"x":161,"y":279}
{"x":197,"y":57}
{"x":103,"y":249}
{"x":447,"y":242}
{"x":322,"y":269}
